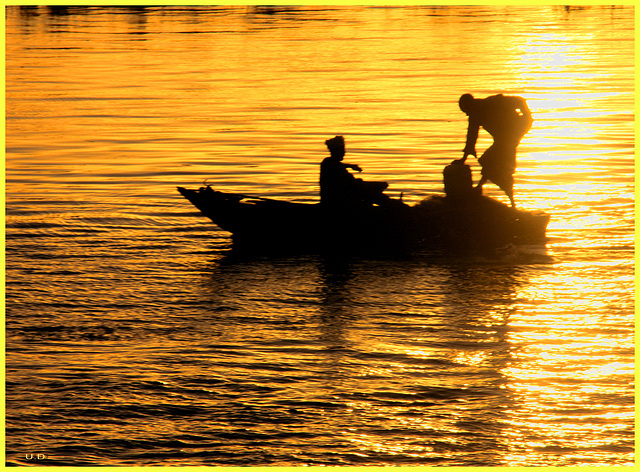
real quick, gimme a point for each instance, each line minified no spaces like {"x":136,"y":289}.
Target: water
{"x":136,"y":336}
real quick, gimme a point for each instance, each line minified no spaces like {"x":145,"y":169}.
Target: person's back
{"x":506,"y":118}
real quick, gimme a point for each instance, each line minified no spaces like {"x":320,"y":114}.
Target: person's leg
{"x":483,"y":181}
{"x":510,"y":195}
{"x":498,"y":165}
{"x":505,"y":182}
{"x":487,"y":161}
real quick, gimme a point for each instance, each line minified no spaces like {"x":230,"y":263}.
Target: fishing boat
{"x":438,"y":221}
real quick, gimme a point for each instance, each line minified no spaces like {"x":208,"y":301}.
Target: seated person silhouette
{"x":507,"y":119}
{"x":338,"y":187}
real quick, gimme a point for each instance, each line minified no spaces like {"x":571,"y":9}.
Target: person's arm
{"x":472,"y":137}
{"x":355,"y":167}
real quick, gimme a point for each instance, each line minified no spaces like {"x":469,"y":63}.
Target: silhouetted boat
{"x":437,"y":221}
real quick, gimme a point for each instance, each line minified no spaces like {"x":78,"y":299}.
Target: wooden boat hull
{"x":437,"y":221}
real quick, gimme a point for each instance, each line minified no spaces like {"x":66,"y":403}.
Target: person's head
{"x":466,"y":103}
{"x":336,"y":146}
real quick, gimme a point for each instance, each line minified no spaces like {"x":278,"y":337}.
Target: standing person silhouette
{"x":507,"y":119}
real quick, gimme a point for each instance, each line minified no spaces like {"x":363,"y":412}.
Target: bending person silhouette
{"x":507,"y":119}
{"x":338,"y":187}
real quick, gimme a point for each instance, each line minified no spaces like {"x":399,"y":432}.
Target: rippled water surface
{"x":135,"y":335}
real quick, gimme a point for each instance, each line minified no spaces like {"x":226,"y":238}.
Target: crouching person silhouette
{"x":339,"y":187}
{"x":507,"y":119}
{"x":458,"y":182}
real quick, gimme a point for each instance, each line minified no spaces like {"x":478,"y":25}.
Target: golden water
{"x":134,"y":337}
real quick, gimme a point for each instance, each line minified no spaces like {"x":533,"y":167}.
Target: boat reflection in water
{"x":396,"y":361}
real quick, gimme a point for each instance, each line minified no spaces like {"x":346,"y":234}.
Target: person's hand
{"x":356,"y":167}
